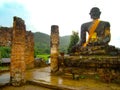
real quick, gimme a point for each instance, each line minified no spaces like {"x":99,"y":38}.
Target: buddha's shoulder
{"x":86,"y":24}
{"x":106,"y":23}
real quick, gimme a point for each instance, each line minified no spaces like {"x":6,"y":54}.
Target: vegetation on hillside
{"x":64,"y":43}
{"x":41,"y":45}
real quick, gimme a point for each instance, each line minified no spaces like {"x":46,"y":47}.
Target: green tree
{"x":5,"y":52}
{"x":73,"y":40}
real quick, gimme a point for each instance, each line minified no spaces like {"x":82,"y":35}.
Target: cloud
{"x":10,"y":9}
{"x":39,"y":15}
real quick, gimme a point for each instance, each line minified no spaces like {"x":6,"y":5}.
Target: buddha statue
{"x":98,"y":31}
{"x":98,"y":38}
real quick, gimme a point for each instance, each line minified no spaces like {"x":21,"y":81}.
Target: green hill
{"x":42,"y":43}
{"x":64,"y":43}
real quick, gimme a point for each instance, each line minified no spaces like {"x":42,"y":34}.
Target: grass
{"x":4,"y":68}
{"x":44,"y":56}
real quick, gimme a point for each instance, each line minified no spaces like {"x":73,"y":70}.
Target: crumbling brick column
{"x":18,"y":67}
{"x":54,"y":47}
{"x":29,"y":50}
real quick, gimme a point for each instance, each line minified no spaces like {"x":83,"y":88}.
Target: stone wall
{"x":29,"y":57}
{"x":107,"y":68}
{"x":5,"y":36}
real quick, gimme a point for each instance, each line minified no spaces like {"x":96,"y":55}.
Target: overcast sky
{"x":39,"y":15}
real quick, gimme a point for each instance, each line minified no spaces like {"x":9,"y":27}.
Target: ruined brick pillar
{"x":29,"y":50}
{"x":18,"y":67}
{"x":54,"y":47}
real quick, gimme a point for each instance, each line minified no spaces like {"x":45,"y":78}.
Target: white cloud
{"x":69,"y":14}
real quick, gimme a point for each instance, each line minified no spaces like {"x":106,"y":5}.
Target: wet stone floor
{"x":26,"y":87}
{"x":42,"y":75}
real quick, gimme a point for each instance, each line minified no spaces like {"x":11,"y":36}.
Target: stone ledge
{"x":51,"y":86}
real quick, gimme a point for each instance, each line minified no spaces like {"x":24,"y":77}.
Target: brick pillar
{"x":29,"y":50}
{"x":18,"y":67}
{"x":54,"y":47}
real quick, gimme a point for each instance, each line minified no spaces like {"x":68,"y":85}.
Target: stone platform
{"x":105,"y":66}
{"x":99,"y":61}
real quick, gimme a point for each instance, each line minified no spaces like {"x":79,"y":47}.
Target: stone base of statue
{"x":98,"y":60}
{"x":96,"y":50}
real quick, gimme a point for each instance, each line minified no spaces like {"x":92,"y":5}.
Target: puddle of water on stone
{"x":4,"y":78}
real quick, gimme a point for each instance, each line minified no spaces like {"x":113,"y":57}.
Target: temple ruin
{"x":54,"y":47}
{"x":105,"y":63}
{"x":22,"y":49}
{"x":18,"y":66}
{"x":29,"y":57}
{"x":6,"y":35}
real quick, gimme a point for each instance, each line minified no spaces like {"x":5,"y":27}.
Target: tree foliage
{"x":5,"y":52}
{"x":73,"y":40}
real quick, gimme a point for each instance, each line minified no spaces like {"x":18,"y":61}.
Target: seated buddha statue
{"x":101,"y":33}
{"x":98,"y":32}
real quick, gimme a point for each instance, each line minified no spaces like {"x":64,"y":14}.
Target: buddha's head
{"x":95,"y":13}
